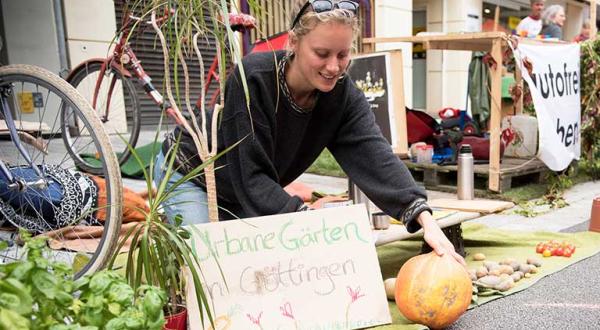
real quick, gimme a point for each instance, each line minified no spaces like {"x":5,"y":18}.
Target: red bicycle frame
{"x":123,"y":57}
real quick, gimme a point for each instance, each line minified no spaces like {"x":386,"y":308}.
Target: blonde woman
{"x":301,"y":102}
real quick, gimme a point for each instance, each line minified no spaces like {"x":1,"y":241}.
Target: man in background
{"x":531,"y":25}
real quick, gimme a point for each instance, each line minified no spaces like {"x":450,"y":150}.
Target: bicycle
{"x":101,"y":80}
{"x":39,"y":188}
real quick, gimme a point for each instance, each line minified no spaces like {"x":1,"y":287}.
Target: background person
{"x":585,"y":32}
{"x":553,"y":19}
{"x":531,"y":25}
{"x":301,"y":102}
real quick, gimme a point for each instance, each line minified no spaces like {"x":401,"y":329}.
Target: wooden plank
{"x":484,"y":206}
{"x":398,"y":232}
{"x":477,"y":37}
{"x":399,"y":105}
{"x":496,"y":116}
{"x":457,"y":45}
{"x":496,"y":17}
{"x":25,"y":126}
{"x":518,"y":106}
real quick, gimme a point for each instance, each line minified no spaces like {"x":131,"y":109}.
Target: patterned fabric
{"x":70,"y":198}
{"x":304,"y":208}
{"x":286,"y":91}
{"x":411,"y":213}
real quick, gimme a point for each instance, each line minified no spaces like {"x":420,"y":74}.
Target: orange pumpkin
{"x":433,"y":290}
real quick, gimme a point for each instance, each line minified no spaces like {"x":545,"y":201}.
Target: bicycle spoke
{"x":43,"y":135}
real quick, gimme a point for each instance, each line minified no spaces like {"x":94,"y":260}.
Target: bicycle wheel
{"x":69,"y":206}
{"x":117,"y":107}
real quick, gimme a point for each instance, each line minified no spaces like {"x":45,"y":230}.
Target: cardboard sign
{"x":303,"y":270}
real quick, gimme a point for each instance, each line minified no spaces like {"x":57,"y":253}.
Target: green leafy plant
{"x":37,"y":293}
{"x":159,"y":251}
{"x":590,"y":107}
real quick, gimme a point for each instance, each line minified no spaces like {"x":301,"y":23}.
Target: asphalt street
{"x":568,"y":299}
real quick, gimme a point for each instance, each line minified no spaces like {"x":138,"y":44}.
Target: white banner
{"x":302,"y":270}
{"x":555,"y":85}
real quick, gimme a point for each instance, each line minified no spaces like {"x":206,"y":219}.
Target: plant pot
{"x":176,"y":321}
{"x":595,"y":216}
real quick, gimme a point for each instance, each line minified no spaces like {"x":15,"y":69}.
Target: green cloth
{"x":507,"y":81}
{"x":497,"y":245}
{"x":479,"y":82}
{"x":132,"y":168}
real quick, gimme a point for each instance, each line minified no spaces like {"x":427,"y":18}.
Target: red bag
{"x":480,"y":146}
{"x":419,"y":126}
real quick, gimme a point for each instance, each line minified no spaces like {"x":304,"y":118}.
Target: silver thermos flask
{"x":465,"y":184}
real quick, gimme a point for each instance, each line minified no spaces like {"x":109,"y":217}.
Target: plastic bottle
{"x":465,"y":182}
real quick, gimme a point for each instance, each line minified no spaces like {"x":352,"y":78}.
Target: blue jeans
{"x":188,"y":200}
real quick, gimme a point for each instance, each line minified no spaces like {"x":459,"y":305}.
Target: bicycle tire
{"x":84,"y":79}
{"x":43,"y":80}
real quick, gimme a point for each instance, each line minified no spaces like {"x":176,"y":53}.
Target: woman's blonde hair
{"x":311,"y":19}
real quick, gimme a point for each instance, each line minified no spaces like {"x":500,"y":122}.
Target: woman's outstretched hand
{"x":433,"y":235}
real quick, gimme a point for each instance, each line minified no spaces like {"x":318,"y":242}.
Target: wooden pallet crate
{"x":514,"y":172}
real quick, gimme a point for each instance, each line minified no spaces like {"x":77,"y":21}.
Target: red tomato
{"x":539,"y":248}
{"x":558,"y":252}
{"x":567,"y":253}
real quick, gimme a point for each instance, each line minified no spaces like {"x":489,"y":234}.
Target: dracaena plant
{"x":178,"y":36}
{"x":160,"y":253}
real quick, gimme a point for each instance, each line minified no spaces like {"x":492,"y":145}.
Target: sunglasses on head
{"x":320,"y":6}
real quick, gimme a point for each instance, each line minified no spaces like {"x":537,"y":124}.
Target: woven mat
{"x":497,"y":245}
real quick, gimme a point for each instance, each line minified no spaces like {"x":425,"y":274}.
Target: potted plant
{"x":160,"y":251}
{"x":37,"y":293}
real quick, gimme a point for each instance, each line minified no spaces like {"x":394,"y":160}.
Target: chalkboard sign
{"x":303,"y":270}
{"x":380,"y":77}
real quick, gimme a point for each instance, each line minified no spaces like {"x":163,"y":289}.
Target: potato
{"x":534,"y":261}
{"x":481,"y":271}
{"x":533,"y":269}
{"x":525,"y":268}
{"x":515,"y":265}
{"x":491,"y":265}
{"x":505,"y":285}
{"x":479,"y":257}
{"x":507,"y":261}
{"x":495,"y":272}
{"x":506,"y":269}
{"x":516,"y":276}
{"x":390,"y":288}
{"x":489,"y":281}
{"x":473,"y":274}
{"x":527,"y":275}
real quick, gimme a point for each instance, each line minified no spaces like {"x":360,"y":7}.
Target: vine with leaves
{"x":590,"y":107}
